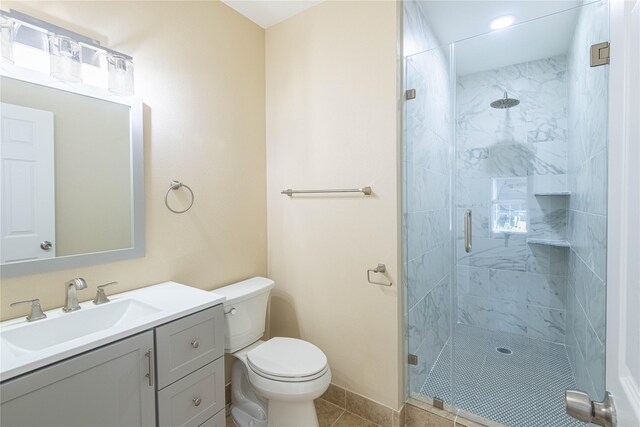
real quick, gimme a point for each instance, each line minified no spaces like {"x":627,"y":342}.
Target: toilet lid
{"x":287,"y":358}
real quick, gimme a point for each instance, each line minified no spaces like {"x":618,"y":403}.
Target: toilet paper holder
{"x":381,"y":268}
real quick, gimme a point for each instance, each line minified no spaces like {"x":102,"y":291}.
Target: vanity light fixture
{"x":120,"y":74}
{"x":7,"y":33}
{"x":502,"y":22}
{"x":31,"y":43}
{"x":65,"y":56}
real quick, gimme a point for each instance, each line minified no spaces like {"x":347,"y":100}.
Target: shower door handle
{"x":467,"y":231}
{"x":580,"y":406}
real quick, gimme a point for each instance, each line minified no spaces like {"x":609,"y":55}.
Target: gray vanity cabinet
{"x":175,"y":371}
{"x":105,"y":387}
{"x":190,"y":366}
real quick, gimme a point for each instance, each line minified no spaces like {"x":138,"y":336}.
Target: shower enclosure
{"x":505,"y":166}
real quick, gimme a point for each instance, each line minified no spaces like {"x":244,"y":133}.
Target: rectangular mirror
{"x":71,"y":176}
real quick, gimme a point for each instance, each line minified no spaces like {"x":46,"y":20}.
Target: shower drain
{"x":504,"y":350}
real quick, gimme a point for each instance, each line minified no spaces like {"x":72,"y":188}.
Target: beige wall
{"x":200,"y":73}
{"x":331,"y":109}
{"x":331,"y":123}
{"x":92,"y":166}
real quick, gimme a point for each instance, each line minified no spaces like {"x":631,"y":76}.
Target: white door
{"x":623,"y":283}
{"x":27,"y":184}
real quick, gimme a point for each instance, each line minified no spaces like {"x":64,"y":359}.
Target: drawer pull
{"x":195,"y":343}
{"x":197,"y":401}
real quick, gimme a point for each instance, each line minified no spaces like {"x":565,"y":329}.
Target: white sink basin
{"x":39,"y":335}
{"x":25,"y":346}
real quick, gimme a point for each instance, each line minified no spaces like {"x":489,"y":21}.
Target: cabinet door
{"x":106,"y":387}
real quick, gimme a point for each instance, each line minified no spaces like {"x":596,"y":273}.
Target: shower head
{"x":505,"y":102}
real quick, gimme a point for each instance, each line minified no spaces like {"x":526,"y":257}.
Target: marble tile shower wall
{"x":588,"y":203}
{"x":427,"y":194}
{"x":505,"y":284}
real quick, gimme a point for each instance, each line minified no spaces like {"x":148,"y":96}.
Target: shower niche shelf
{"x":550,"y":242}
{"x":554,"y":193}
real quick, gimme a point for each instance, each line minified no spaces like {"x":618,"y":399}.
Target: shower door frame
{"x":621,"y":122}
{"x":623,"y":113}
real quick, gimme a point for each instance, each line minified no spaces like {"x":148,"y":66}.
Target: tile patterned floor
{"x":521,"y":389}
{"x":330,"y":415}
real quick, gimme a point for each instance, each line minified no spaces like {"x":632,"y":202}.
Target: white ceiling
{"x":542,"y":29}
{"x":453,"y":21}
{"x":542,"y":38}
{"x":267,"y":13}
{"x":462,"y":21}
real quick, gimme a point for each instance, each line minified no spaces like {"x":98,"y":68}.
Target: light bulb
{"x":502,"y":22}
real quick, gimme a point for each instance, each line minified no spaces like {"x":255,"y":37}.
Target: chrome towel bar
{"x":365,"y":190}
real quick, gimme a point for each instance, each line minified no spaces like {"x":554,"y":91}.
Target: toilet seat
{"x":287,"y":360}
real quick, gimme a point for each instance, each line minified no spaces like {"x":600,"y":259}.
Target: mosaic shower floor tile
{"x":508,"y":378}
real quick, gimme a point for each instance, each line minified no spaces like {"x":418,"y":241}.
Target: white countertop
{"x":170,"y":301}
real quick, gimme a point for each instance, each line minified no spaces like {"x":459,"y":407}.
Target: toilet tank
{"x":245,"y":311}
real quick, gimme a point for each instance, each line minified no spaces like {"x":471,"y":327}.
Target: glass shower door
{"x":511,"y":127}
{"x":531,"y":168}
{"x":427,"y":217}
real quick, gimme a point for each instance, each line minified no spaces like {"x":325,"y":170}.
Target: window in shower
{"x":509,"y":205}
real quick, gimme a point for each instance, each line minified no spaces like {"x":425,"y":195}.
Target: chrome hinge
{"x":413,"y":359}
{"x":438,"y":403}
{"x":600,"y":54}
{"x":410,"y":94}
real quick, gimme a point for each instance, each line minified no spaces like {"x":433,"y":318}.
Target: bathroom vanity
{"x":158,"y":360}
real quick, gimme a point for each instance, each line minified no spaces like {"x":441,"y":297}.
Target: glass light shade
{"x":7,"y":34}
{"x":65,"y":54}
{"x":120,"y":75}
{"x":502,"y":22}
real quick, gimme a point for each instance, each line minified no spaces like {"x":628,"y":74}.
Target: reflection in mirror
{"x":71,"y":177}
{"x":81,"y":203}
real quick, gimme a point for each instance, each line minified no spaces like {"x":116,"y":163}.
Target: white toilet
{"x":273,"y":383}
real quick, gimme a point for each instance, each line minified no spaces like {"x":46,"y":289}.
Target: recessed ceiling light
{"x":502,"y":22}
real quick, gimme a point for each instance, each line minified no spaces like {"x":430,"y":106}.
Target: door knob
{"x":46,"y":245}
{"x":581,"y":407}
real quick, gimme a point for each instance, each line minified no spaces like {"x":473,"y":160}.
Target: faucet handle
{"x":36,"y":310}
{"x":101,"y":297}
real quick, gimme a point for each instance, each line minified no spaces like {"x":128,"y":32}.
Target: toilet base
{"x":241,"y":418}
{"x":292,"y":414}
{"x":247,"y":408}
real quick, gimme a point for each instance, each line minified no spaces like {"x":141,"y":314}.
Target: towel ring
{"x":174,"y":185}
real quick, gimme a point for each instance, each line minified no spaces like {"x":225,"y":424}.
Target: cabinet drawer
{"x":194,"y":399}
{"x":218,"y":420}
{"x":188,"y":344}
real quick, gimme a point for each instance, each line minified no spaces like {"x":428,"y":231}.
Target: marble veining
{"x":515,"y":287}
{"x":548,"y":224}
{"x":427,"y":192}
{"x":587,"y":214}
{"x":502,"y":252}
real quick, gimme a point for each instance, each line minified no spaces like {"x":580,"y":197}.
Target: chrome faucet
{"x":71,"y":302}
